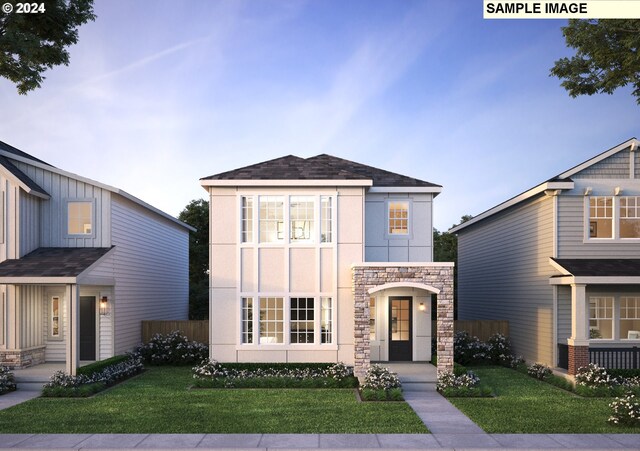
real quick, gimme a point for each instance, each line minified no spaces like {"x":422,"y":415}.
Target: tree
{"x":606,"y":59}
{"x":32,"y":43}
{"x":196,"y":214}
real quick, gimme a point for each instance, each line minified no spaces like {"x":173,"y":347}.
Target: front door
{"x":87,"y":327}
{"x":400,"y":343}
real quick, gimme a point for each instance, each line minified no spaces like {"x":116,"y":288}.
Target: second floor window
{"x":80,"y":218}
{"x":271,"y":219}
{"x":398,"y":214}
{"x":247,"y":219}
{"x":614,"y":217}
{"x":601,"y":217}
{"x":630,"y":217}
{"x":301,"y":218}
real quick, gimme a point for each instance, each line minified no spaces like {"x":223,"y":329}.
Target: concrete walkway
{"x":30,"y":382}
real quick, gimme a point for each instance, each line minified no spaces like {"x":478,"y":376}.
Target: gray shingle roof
{"x":53,"y":262}
{"x":604,"y":267}
{"x":24,"y":178}
{"x":7,"y":148}
{"x":320,"y":167}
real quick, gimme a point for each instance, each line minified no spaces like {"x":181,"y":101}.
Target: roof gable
{"x":7,"y":148}
{"x":23,"y":179}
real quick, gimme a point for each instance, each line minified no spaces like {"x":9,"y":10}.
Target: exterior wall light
{"x":104,"y":305}
{"x":422,"y":307}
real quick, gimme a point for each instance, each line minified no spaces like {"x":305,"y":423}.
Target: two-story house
{"x":322,"y":259}
{"x":561,"y":262}
{"x":81,"y":264}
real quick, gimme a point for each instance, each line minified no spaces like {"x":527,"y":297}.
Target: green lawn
{"x":158,"y":401}
{"x":526,"y":405}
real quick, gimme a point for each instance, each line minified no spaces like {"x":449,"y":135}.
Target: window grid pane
{"x":601,"y":217}
{"x":271,"y":219}
{"x":55,"y":317}
{"x":79,"y":218}
{"x":326,"y":324}
{"x":301,"y":209}
{"x":271,"y":320}
{"x":325,"y":219}
{"x":630,"y":318}
{"x":372,"y":319}
{"x":601,"y":317}
{"x":247,"y":320}
{"x":630,"y":217}
{"x":398,"y":218}
{"x":302,"y":321}
{"x":247,"y":219}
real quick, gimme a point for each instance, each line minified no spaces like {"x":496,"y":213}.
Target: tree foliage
{"x":196,"y":214}
{"x":606,"y":56}
{"x":32,"y":43}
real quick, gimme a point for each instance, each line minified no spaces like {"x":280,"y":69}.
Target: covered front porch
{"x":392,"y":313}
{"x":54,"y":310}
{"x":598,"y":313}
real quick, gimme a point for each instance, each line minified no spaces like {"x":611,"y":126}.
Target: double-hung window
{"x":601,"y":217}
{"x":630,"y":217}
{"x":301,"y":218}
{"x":601,"y":317}
{"x":271,"y":219}
{"x":247,"y":219}
{"x":630,"y":317}
{"x":398,"y":217}
{"x":326,"y":216}
{"x":271,"y":320}
{"x":302,"y":323}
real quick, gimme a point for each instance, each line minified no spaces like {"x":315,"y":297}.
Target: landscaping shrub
{"x":626,"y":410}
{"x":213,"y":374}
{"x":100,"y":365}
{"x":539,"y":371}
{"x":463,"y":385}
{"x":469,"y":350}
{"x":62,"y":384}
{"x":394,"y":394}
{"x":7,"y":380}
{"x":595,"y":381}
{"x":172,"y":349}
{"x":624,"y":373}
{"x":380,"y":384}
{"x":593,"y":376}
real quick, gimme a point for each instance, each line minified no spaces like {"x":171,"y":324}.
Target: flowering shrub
{"x":626,"y":410}
{"x":63,"y":384}
{"x":448,"y":379}
{"x":593,"y":376}
{"x":7,"y":381}
{"x":539,"y":371}
{"x":380,"y":378}
{"x":172,"y":349}
{"x":469,"y":350}
{"x":211,"y":373}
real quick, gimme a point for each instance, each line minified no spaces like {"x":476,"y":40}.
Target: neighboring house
{"x":561,"y":262}
{"x":322,"y":259}
{"x":81,"y":264}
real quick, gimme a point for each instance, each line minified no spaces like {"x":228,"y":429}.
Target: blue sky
{"x":161,"y":93}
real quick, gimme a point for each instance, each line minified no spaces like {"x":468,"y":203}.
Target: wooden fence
{"x":481,"y":328}
{"x":195,"y":330}
{"x":199,"y":330}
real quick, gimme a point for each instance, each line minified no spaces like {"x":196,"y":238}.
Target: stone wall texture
{"x":15,"y":359}
{"x":366,"y":277}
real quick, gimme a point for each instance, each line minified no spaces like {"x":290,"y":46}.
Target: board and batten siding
{"x":503,"y":273}
{"x":379,"y":247}
{"x":29,"y":223}
{"x":151,"y":266}
{"x":53,"y":212}
{"x":571,"y":234}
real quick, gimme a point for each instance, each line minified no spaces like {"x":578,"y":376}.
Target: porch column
{"x":445,"y":321}
{"x":362,"y":346}
{"x":73,"y":329}
{"x":579,"y":341}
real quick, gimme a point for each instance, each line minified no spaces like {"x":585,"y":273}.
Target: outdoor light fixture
{"x":104,"y":305}
{"x":422,"y":307}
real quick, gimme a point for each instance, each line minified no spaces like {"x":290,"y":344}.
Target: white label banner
{"x":586,"y":9}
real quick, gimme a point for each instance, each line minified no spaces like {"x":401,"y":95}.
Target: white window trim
{"x":615,"y":321}
{"x":616,"y":222}
{"x":397,"y":236}
{"x":286,"y":344}
{"x":90,"y":200}
{"x":60,"y":335}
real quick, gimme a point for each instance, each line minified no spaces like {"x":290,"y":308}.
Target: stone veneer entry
{"x":434,"y":275}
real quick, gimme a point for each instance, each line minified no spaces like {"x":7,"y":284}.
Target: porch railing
{"x":619,"y":358}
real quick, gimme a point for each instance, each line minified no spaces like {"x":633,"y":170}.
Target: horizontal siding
{"x":564,"y":314}
{"x":151,"y":266}
{"x":571,"y":243}
{"x":53,"y":211}
{"x":503,"y":273}
{"x":614,"y":167}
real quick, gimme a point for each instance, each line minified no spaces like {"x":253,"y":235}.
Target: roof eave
{"x":406,"y":189}
{"x":283,"y":182}
{"x":567,"y":185}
